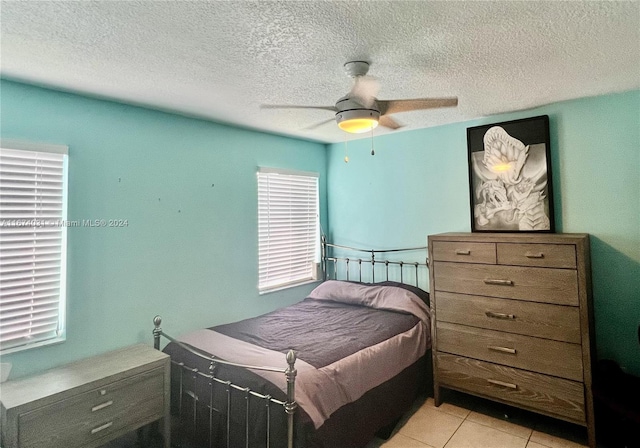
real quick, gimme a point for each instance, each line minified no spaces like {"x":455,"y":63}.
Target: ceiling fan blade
{"x":317,"y":125}
{"x":288,"y":106}
{"x":395,"y":106}
{"x":389,"y":122}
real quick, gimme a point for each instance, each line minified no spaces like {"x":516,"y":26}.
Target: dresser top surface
{"x":79,"y":373}
{"x":557,"y":238}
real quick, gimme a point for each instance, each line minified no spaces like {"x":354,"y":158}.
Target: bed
{"x":332,"y":370}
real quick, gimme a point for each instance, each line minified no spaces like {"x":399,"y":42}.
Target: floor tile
{"x":448,"y":408}
{"x":500,"y":424}
{"x":552,"y":441}
{"x":431,"y":426}
{"x":417,"y":404}
{"x":475,"y":435}
{"x":402,"y":441}
{"x":535,"y":445}
{"x":562,"y":430}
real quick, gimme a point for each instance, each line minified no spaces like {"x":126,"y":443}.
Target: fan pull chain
{"x":373,"y":153}
{"x":346,"y":150}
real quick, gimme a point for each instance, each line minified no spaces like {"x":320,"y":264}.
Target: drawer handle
{"x":503,"y":384}
{"x":492,"y":281}
{"x":499,"y":315}
{"x":106,"y":404}
{"x":531,"y":255}
{"x":101,"y":428}
{"x":511,"y":351}
{"x":463,"y":252}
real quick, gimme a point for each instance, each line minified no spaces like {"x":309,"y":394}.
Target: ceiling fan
{"x":360,"y":111}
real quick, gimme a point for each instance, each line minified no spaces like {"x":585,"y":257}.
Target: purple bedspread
{"x":320,"y":332}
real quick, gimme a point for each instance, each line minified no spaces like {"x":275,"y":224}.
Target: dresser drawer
{"x":464,"y":251}
{"x":524,"y":352}
{"x":543,"y":320}
{"x":559,"y":286}
{"x":533,"y":391}
{"x":89,"y":416}
{"x":542,"y":255}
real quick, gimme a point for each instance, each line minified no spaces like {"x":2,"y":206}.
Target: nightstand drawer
{"x":89,"y":416}
{"x":540,"y":355}
{"x":542,"y":255}
{"x":533,"y":391}
{"x":542,"y":320}
{"x":465,"y":252}
{"x":559,"y":286}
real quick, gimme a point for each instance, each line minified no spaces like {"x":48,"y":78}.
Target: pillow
{"x":424,"y":295}
{"x":374,"y":295}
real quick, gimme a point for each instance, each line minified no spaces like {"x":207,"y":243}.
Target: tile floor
{"x":463,"y":421}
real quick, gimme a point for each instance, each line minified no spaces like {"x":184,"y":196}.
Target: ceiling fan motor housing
{"x":357,"y":113}
{"x":347,"y":103}
{"x":359,"y":117}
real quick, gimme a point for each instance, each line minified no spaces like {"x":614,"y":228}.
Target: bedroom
{"x":187,"y":187}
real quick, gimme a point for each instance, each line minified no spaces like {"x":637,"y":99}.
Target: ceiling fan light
{"x":358,"y":121}
{"x":358,"y":125}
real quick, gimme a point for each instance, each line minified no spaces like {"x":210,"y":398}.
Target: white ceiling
{"x":221,"y":60}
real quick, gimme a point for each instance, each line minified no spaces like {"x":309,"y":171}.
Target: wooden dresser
{"x":512,"y":320}
{"x":89,"y":402}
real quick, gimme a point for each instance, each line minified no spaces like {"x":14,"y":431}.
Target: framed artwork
{"x":510,"y":176}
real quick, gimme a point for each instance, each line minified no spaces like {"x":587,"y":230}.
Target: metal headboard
{"x":330,"y":263}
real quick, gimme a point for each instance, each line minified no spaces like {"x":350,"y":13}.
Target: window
{"x":33,"y":198}
{"x":288,"y":236}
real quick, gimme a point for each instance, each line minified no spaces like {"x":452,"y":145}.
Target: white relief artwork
{"x":510,"y":184}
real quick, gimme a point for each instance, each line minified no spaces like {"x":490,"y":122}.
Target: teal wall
{"x":188,"y":190}
{"x":417,"y":184}
{"x":191,"y":246}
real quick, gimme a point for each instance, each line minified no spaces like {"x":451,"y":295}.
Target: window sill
{"x":20,"y":348}
{"x":288,"y":286}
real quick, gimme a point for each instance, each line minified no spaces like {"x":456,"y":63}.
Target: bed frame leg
{"x":291,"y":405}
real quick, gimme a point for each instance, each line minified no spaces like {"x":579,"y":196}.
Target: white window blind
{"x":33,"y":187}
{"x":287,"y":228}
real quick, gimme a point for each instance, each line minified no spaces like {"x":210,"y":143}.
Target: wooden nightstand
{"x":89,"y":402}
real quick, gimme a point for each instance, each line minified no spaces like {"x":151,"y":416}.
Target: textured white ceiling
{"x":221,"y":60}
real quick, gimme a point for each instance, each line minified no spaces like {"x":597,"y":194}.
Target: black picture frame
{"x":510,"y":184}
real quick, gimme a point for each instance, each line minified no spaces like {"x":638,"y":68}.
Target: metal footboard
{"x":289,"y":406}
